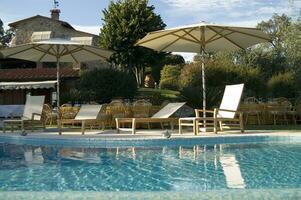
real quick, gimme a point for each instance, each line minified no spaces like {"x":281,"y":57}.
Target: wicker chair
{"x":47,"y":115}
{"x":281,"y":109}
{"x":141,"y":108}
{"x":251,"y":107}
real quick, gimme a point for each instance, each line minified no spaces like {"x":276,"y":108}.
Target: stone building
{"x":12,"y":70}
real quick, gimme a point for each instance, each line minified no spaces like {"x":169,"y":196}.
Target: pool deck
{"x":52,"y":133}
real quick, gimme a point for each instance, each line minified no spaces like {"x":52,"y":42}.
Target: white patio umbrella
{"x":56,"y":50}
{"x":201,"y":38}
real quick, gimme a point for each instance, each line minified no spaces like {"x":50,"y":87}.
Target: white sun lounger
{"x":163,"y":115}
{"x":227,"y":112}
{"x":32,"y":114}
{"x":87,"y":115}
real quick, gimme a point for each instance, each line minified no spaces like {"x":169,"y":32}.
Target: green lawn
{"x":167,"y":94}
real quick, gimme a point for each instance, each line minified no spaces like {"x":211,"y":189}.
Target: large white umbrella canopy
{"x":201,"y":38}
{"x":56,"y":50}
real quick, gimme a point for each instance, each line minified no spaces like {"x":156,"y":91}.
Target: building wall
{"x":18,"y":97}
{"x":25,"y":30}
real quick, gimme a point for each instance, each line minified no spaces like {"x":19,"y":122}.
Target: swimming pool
{"x":183,"y":170}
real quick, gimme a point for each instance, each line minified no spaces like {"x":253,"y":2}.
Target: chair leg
{"x":221,"y":125}
{"x":117,"y":125}
{"x":215,"y":126}
{"x":134,"y":126}
{"x":196,"y":127}
{"x":83,"y":127}
{"x":162,"y":126}
{"x":180,"y":126}
{"x":246,"y":120}
{"x":242,"y":130}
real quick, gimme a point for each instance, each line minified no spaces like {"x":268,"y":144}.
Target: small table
{"x":189,"y":121}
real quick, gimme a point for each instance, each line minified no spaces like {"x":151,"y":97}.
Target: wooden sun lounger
{"x":162,"y":116}
{"x":87,"y":115}
{"x":135,"y":121}
{"x":227,"y":112}
{"x":32,"y":115}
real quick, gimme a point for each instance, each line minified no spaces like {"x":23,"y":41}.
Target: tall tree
{"x":126,"y":21}
{"x":5,"y":36}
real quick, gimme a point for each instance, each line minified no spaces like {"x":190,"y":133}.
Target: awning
{"x":27,"y":85}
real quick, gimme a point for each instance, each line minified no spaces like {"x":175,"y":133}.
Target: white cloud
{"x":89,"y":29}
{"x":187,"y":56}
{"x":200,"y":4}
{"x":227,"y":11}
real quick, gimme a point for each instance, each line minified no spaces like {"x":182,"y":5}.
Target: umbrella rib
{"x":179,"y":38}
{"x":219,"y":37}
{"x":45,"y":53}
{"x":72,"y":51}
{"x":94,"y":53}
{"x":160,"y":36}
{"x":15,"y":53}
{"x":188,"y":33}
{"x":42,"y":50}
{"x":67,"y":50}
{"x":231,"y":41}
{"x":249,"y":34}
{"x":216,"y":34}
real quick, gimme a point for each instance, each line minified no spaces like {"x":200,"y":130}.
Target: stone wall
{"x":25,"y":30}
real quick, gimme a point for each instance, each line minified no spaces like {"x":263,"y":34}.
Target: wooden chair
{"x":32,"y":115}
{"x":226,"y":115}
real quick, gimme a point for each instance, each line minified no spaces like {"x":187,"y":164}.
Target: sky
{"x":87,"y":15}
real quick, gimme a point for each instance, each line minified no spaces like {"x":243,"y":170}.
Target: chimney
{"x":55,"y":14}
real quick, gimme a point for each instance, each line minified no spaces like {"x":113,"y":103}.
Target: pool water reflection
{"x":183,"y":168}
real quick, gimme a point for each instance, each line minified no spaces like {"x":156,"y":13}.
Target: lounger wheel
{"x":23,"y":133}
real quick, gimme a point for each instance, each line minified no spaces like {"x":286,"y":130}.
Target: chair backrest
{"x":34,"y":104}
{"x":231,"y":99}
{"x":168,"y":110}
{"x":88,"y":112}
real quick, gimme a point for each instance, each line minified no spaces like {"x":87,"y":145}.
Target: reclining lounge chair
{"x":87,"y":115}
{"x":162,"y":116}
{"x":227,"y":112}
{"x":32,"y":115}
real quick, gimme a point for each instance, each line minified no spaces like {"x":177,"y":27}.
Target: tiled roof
{"x":39,"y":74}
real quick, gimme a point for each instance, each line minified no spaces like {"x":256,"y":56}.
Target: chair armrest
{"x":35,"y":114}
{"x":235,"y":111}
{"x":198,"y":111}
{"x":202,"y":111}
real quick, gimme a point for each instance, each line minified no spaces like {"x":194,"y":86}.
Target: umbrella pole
{"x":204,"y":83}
{"x":202,"y":52}
{"x":58,"y":94}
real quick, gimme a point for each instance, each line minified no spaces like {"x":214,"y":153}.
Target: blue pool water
{"x":196,"y":168}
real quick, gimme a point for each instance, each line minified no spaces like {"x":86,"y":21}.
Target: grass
{"x":167,"y":94}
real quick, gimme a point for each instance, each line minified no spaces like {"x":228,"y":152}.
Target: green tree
{"x":170,"y":77}
{"x":126,"y":21}
{"x":5,"y":36}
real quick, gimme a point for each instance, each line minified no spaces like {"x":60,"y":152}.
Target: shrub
{"x":170,"y":76}
{"x":218,"y":74}
{"x":282,"y":85}
{"x":101,"y":85}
